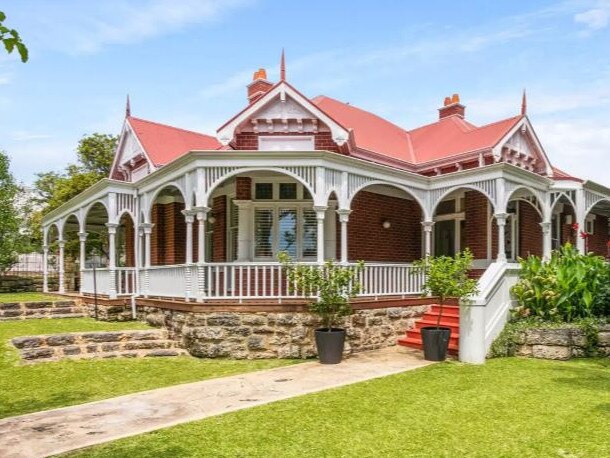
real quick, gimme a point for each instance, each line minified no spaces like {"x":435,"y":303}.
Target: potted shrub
{"x":332,"y":286}
{"x":445,"y":277}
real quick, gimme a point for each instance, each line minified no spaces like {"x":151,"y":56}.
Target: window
{"x":310,"y":233}
{"x":446,"y":207}
{"x":287,"y":237}
{"x":263,"y":232}
{"x":288,"y":191}
{"x":233,"y":230}
{"x":263,"y":191}
{"x":293,"y":230}
{"x":590,"y":225}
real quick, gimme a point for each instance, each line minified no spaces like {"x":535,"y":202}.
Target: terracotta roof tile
{"x":165,"y":143}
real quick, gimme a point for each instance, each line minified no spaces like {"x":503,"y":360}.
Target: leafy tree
{"x":447,"y":277}
{"x":332,"y":285}
{"x":95,"y":154}
{"x":10,"y":237}
{"x":11,"y":40}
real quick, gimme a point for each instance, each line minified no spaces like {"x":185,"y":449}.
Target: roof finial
{"x":127,"y":108}
{"x":524,"y":104}
{"x":283,"y":67}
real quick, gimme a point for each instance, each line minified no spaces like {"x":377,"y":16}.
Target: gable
{"x":521,"y":147}
{"x":282,"y":111}
{"x":130,"y":155}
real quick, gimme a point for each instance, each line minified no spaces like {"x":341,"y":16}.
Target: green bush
{"x":567,"y":287}
{"x":331,"y":286}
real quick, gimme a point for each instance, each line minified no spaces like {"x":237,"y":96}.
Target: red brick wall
{"x":249,"y":140}
{"x":598,"y":241}
{"x":476,"y":221}
{"x":567,"y":233}
{"x":369,"y":241}
{"x":243,"y":188}
{"x":168,"y":238}
{"x":130,"y":258}
{"x":219,"y":243}
{"x":530,"y":231}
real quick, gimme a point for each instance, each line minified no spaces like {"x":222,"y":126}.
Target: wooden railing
{"x":124,"y":281}
{"x":240,"y":281}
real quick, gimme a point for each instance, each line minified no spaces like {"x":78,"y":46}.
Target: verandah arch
{"x":464,"y":217}
{"x":70,"y":236}
{"x":597,"y":226}
{"x":385,"y":224}
{"x":168,"y":236}
{"x":97,"y":243}
{"x":524,"y":229}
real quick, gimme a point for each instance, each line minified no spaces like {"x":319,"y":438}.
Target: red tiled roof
{"x":447,"y":137}
{"x":452,"y":136}
{"x":559,"y":174}
{"x":165,"y":143}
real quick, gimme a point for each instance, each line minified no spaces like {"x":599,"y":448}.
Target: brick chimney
{"x":452,"y":106}
{"x":259,"y":85}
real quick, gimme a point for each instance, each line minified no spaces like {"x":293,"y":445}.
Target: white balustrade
{"x":167,"y":281}
{"x":247,"y":280}
{"x":102,"y":281}
{"x":125,"y":281}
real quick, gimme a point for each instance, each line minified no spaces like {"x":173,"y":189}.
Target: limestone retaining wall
{"x":244,"y":335}
{"x":41,"y":309}
{"x":560,"y":343}
{"x":102,"y":344}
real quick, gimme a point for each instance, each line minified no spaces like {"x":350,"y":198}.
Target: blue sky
{"x":187,"y":63}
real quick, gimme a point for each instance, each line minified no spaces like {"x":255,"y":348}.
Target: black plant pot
{"x":330,"y":345}
{"x":436,"y":341}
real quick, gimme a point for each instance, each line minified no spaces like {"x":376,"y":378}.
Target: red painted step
{"x":450,"y":319}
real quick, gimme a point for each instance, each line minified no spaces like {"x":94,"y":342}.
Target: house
{"x":200,"y":218}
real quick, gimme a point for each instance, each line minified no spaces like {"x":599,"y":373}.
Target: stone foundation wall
{"x":44,"y":309}
{"x":103,"y":344}
{"x":25,"y":284}
{"x":110,"y":312}
{"x":277,"y":335}
{"x":560,"y":343}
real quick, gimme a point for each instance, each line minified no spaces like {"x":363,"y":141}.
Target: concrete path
{"x":61,"y":430}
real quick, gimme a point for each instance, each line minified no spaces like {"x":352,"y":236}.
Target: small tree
{"x":333,"y":286}
{"x":9,"y":221}
{"x":447,"y":276}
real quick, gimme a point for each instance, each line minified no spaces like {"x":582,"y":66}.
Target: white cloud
{"x":25,"y":136}
{"x":87,"y":27}
{"x":595,"y":18}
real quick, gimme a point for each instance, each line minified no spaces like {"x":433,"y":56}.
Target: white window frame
{"x":276,"y":207}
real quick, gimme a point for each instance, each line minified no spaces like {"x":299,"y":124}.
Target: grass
{"x":30,"y":388}
{"x":28,"y":297}
{"x":509,"y":407}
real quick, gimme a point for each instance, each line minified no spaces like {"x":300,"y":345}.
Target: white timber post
{"x":546,"y":240}
{"x":45,"y":260}
{"x":62,"y":286}
{"x":344,"y":219}
{"x":82,"y":238}
{"x":579,"y":211}
{"x":501,"y":222}
{"x":428,"y":227}
{"x":189,"y":218}
{"x":202,"y":214}
{"x":320,"y":215}
{"x":147,"y":229}
{"x":112,"y":286}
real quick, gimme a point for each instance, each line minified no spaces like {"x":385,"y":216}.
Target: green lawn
{"x":508,"y":407}
{"x":44,"y":386}
{"x":28,"y":297}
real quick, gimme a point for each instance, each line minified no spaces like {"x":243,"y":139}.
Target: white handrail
{"x":484,"y":318}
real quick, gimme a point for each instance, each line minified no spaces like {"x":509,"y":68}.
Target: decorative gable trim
{"x":226,"y":133}
{"x":525,"y":127}
{"x":128,"y":134}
